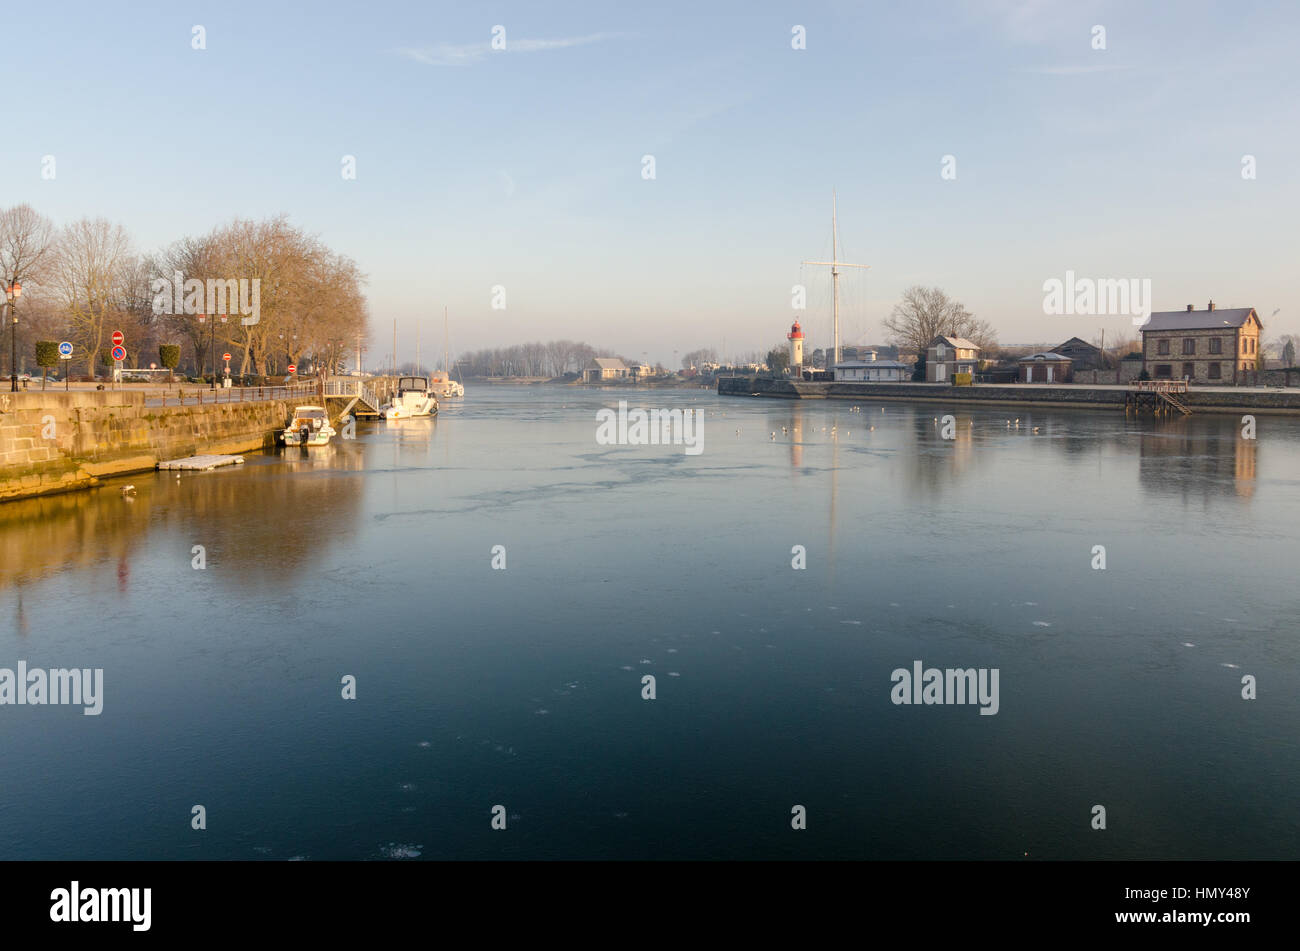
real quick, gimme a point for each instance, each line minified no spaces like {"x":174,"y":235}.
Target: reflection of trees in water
{"x":1198,"y":457}
{"x":76,"y":530}
{"x":933,"y":463}
{"x":270,"y":517}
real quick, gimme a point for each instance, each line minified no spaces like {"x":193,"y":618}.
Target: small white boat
{"x":310,"y":426}
{"x":444,"y":387}
{"x":414,"y":398}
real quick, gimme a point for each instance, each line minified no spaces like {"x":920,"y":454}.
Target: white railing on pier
{"x":358,"y":388}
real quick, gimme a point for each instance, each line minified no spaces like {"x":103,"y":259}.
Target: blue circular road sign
{"x":65,"y":349}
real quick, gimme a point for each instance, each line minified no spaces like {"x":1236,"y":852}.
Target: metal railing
{"x":352,"y":387}
{"x":1161,"y":386}
{"x":200,"y":395}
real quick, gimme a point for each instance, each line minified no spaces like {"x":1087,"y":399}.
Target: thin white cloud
{"x":466,"y":54}
{"x":1072,"y":70}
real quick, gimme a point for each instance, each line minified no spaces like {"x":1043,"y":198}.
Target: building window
{"x":1162,"y":347}
{"x":1216,"y":371}
{"x":1189,"y":371}
{"x":1163,"y":371}
{"x":1254,"y":342}
{"x":1216,"y":345}
{"x":1189,"y":345}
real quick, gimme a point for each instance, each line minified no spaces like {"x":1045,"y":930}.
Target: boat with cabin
{"x":444,"y":387}
{"x":414,"y":398}
{"x":310,"y":426}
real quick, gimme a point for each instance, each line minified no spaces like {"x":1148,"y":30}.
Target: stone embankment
{"x":56,"y":442}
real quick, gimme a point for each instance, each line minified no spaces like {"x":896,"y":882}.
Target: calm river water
{"x":522,"y":687}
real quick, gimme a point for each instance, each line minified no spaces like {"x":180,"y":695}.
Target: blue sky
{"x":522,"y":167}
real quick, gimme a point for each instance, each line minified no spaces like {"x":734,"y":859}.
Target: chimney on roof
{"x":1211,"y":305}
{"x":1189,"y":308}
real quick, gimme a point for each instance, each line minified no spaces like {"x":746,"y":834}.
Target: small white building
{"x":872,"y":371}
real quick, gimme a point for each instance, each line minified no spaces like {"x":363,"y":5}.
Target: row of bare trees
{"x":85,"y":280}
{"x":537,"y":359}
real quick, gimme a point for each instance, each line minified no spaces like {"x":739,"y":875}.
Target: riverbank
{"x":1206,"y":400}
{"x":61,"y":442}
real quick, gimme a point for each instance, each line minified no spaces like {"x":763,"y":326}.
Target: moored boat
{"x":414,"y":398}
{"x":444,"y":387}
{"x":310,"y":426}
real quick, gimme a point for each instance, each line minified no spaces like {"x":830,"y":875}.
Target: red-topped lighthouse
{"x":795,"y":336}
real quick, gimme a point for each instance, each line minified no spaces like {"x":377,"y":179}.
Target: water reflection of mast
{"x":835,"y":471}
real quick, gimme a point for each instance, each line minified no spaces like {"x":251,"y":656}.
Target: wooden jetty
{"x":1161,"y":396}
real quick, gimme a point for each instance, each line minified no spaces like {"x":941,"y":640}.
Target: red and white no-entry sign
{"x":226,"y":357}
{"x":117,"y":338}
{"x":293,"y":368}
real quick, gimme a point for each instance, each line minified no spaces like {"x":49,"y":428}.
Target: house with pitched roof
{"x":1211,"y":346}
{"x":1083,"y":355}
{"x":948,"y":355}
{"x":603,"y":369}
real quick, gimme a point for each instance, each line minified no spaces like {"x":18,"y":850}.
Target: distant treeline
{"x":552,"y":359}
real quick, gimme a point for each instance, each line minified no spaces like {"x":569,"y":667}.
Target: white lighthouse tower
{"x":795,"y":336}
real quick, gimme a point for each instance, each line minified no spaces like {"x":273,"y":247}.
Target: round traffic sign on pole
{"x":65,"y":350}
{"x":118,"y":339}
{"x":119,"y":353}
{"x":293,"y":368}
{"x":226,"y":357}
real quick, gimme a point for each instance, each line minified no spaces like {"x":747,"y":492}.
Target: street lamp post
{"x":12,"y":294}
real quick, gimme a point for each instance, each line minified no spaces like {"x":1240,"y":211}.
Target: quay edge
{"x":1283,"y":401}
{"x":64,"y":442}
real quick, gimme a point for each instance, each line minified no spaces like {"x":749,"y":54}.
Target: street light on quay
{"x":12,"y":293}
{"x":288,"y":352}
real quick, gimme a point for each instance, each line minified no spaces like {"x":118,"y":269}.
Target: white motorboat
{"x":444,"y":387}
{"x":414,"y":398}
{"x":310,"y":426}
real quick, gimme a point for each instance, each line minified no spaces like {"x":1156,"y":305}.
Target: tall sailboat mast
{"x":446,"y":343}
{"x":835,"y":264}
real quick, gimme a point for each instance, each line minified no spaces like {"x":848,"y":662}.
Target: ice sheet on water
{"x":400,"y":850}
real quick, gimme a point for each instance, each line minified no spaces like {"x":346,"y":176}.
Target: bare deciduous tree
{"x":26,"y":249}
{"x":91,"y":273}
{"x":926,"y":312}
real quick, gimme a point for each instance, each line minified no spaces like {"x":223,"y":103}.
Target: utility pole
{"x":835,"y":264}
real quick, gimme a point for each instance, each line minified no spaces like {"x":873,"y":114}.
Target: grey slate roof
{"x":960,"y":342}
{"x":609,"y":363}
{"x":1046,"y":356}
{"x":885,"y":364}
{"x":1198,"y":319}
